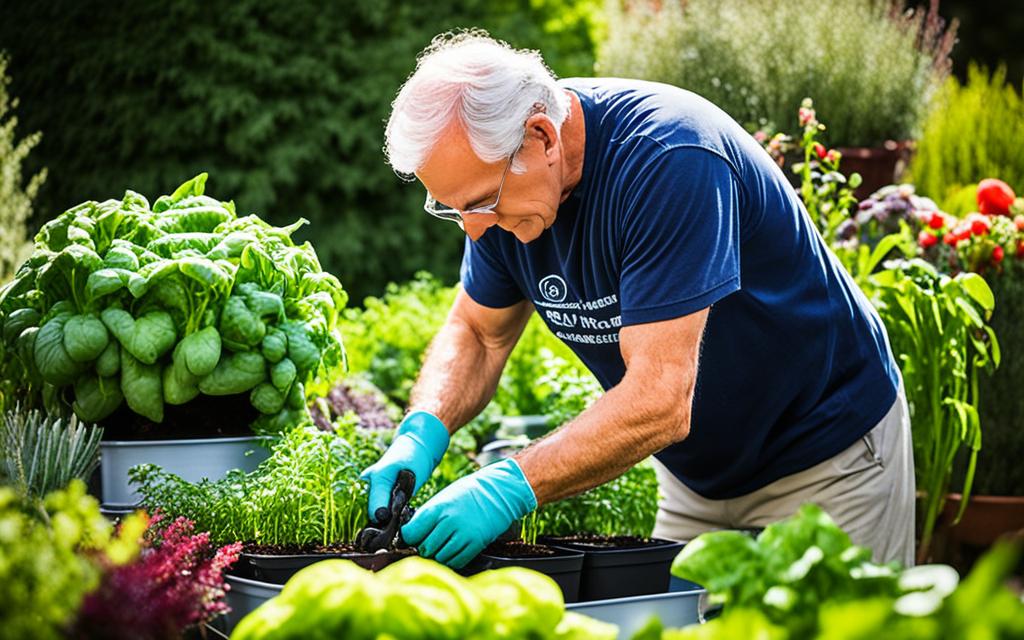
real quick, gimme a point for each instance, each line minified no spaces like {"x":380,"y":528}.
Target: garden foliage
{"x":973,"y":131}
{"x":418,"y":599}
{"x":285,"y":104}
{"x":149,"y":306}
{"x":801,"y":578}
{"x":757,"y":60}
{"x":15,"y":195}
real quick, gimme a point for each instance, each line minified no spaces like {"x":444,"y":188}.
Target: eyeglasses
{"x":444,"y":212}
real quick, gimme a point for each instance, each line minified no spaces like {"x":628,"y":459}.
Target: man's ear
{"x":540,"y":129}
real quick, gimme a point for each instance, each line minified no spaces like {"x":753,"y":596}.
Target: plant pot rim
{"x":183,"y":442}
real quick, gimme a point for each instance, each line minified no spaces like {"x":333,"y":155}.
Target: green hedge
{"x":282,"y":103}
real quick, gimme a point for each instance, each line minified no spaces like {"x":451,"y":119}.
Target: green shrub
{"x":869,"y":66}
{"x":15,"y":199}
{"x":974,"y":131}
{"x":284,"y":102}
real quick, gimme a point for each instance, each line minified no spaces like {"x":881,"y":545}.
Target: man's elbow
{"x":671,"y":422}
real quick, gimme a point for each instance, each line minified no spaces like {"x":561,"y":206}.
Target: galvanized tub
{"x":631,"y":614}
{"x":193,"y":460}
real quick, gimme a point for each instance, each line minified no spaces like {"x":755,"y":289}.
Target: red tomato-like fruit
{"x":979,"y":227}
{"x":997,"y":254}
{"x":994,"y":197}
{"x":936,"y":221}
{"x":950,"y":239}
{"x":926,"y":239}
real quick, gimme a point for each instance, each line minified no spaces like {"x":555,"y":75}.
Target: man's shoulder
{"x":633,"y":115}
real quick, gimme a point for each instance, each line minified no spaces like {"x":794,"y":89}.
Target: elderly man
{"x":664,"y":246}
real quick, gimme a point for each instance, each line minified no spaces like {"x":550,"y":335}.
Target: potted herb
{"x":302,"y":505}
{"x":130,"y":313}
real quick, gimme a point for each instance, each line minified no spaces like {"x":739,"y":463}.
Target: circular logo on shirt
{"x":552,"y":288}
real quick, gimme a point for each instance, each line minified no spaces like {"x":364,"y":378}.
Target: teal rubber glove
{"x":454,"y":526}
{"x":419,"y":445}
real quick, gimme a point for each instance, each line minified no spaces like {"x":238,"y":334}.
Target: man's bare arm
{"x":465,"y":360}
{"x":647,"y":411}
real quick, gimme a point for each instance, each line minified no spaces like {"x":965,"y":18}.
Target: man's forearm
{"x":459,"y":375}
{"x":623,"y":427}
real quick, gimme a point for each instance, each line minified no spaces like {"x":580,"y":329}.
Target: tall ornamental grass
{"x":870,"y":64}
{"x":974,"y":131}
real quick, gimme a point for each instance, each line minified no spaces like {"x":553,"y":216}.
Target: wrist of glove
{"x":419,"y":445}
{"x":454,"y":526}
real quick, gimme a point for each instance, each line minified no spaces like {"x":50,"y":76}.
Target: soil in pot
{"x":204,"y":417}
{"x":276,"y":564}
{"x":562,"y":565}
{"x":621,"y":566}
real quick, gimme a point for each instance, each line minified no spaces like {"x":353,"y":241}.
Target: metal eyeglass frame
{"x":454,"y":215}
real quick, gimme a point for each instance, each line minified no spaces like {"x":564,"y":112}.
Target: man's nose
{"x":474,"y":224}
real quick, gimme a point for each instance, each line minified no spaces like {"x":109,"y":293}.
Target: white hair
{"x":489,"y":86}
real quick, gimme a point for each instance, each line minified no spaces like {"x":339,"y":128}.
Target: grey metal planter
{"x":244,"y":596}
{"x":193,"y":460}
{"x":631,"y":614}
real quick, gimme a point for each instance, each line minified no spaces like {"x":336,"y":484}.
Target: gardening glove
{"x":454,"y":526}
{"x":419,"y":445}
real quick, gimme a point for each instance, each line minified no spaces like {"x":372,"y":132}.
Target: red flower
{"x":820,"y":150}
{"x":806,"y":116}
{"x":950,"y":239}
{"x":979,"y":227}
{"x":997,"y":254}
{"x":994,"y":197}
{"x":833,"y":156}
{"x":964,"y":233}
{"x":936,"y":221}
{"x":926,"y":239}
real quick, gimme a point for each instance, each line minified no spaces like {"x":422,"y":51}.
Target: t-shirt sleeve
{"x":485,"y":276}
{"x":681,"y":239}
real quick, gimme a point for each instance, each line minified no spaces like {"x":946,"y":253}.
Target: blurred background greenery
{"x":284,"y":103}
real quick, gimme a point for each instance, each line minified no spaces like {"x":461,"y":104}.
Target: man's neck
{"x":574,"y":145}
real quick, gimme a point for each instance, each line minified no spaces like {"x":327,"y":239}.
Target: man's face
{"x":455,"y":176}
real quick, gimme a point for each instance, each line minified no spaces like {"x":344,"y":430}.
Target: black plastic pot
{"x":278,"y":569}
{"x":622,"y":572}
{"x":564,"y":566}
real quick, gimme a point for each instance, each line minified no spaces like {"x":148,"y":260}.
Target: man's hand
{"x":419,"y":444}
{"x":454,"y":526}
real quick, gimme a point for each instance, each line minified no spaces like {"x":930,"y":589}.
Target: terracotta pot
{"x":985,"y":520}
{"x":877,"y":166}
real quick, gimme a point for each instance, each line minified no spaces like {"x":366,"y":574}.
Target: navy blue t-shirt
{"x":680,"y":209}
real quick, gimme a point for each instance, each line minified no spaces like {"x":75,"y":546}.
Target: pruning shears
{"x":385,"y":532}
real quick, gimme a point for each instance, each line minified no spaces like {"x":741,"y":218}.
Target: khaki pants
{"x":868,"y":489}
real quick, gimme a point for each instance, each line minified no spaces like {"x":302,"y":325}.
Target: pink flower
{"x":806,"y":116}
{"x":760,"y":136}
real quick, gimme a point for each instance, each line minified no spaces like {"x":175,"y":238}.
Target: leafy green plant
{"x":418,"y":599}
{"x":41,"y":454}
{"x":972,"y":132}
{"x":938,"y":330}
{"x":801,"y":578}
{"x":49,"y":551}
{"x":757,"y":60}
{"x":155,"y":305}
{"x":308,"y":491}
